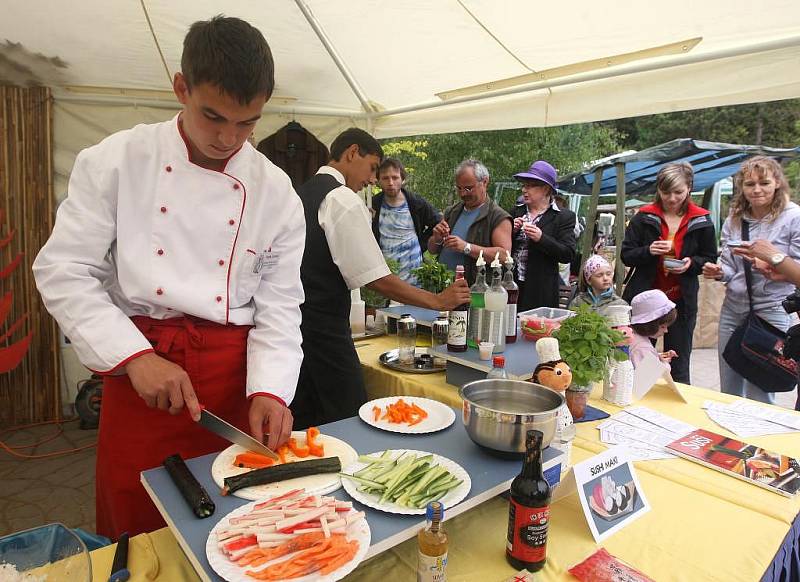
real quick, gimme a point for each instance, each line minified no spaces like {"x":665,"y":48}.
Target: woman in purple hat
{"x":666,"y":244}
{"x":543,"y":237}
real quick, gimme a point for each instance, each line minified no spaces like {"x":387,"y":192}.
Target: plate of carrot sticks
{"x":407,"y":414}
{"x":293,"y":536}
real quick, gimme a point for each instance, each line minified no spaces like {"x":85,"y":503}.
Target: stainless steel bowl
{"x":498,"y":413}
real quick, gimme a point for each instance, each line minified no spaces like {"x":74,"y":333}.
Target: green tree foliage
{"x":431,"y":159}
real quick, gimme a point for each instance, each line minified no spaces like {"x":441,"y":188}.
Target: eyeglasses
{"x":530,"y":185}
{"x":466,"y":189}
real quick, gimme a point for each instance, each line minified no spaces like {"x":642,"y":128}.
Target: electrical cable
{"x":11,"y":450}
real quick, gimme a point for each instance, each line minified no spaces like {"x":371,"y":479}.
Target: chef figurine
{"x":174,"y":269}
{"x":554,"y":373}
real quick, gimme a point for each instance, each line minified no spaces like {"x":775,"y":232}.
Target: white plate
{"x":372,"y":500}
{"x":313,"y":484}
{"x":440,"y":416}
{"x":232,"y":572}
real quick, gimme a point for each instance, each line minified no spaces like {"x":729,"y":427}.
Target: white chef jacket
{"x":347,"y":224}
{"x":144,"y":231}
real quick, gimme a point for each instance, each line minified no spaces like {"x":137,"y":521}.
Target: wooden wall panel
{"x":32,"y":391}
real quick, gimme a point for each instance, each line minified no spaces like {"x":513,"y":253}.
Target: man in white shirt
{"x":174,"y":269}
{"x":342,"y":254}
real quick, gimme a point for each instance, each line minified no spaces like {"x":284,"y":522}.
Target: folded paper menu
{"x":774,"y":471}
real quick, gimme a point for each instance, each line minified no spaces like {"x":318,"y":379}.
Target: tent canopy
{"x":410,"y":67}
{"x":711,"y":162}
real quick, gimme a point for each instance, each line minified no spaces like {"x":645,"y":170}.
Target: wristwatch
{"x":467,"y":249}
{"x":777,"y":259}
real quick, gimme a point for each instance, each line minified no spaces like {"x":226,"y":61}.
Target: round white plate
{"x":440,"y":416}
{"x":313,"y":484}
{"x":232,"y":572}
{"x":372,"y":500}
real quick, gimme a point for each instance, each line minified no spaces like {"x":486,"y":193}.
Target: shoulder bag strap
{"x":748,"y":272}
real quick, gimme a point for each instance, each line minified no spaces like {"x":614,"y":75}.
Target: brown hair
{"x":761,"y":166}
{"x":670,"y":178}
{"x":650,"y":328}
{"x":393,"y":163}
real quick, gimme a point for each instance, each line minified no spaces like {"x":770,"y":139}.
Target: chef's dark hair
{"x":231,"y":54}
{"x":366,"y":143}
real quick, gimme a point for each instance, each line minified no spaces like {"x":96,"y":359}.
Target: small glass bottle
{"x":440,"y":330}
{"x":498,"y":371}
{"x":406,"y":338}
{"x":432,"y":540}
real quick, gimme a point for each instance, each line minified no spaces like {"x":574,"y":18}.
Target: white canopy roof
{"x":384,"y":64}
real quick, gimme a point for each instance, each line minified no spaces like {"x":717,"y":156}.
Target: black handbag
{"x":755,"y":350}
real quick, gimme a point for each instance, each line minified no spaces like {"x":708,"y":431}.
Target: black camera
{"x":791,"y":347}
{"x":792,"y":303}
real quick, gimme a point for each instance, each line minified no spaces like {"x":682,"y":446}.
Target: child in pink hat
{"x":599,"y":293}
{"x":651,"y":315}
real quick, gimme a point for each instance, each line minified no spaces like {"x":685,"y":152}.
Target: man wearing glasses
{"x":474,"y":224}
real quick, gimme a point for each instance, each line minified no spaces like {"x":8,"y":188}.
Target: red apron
{"x":134,"y":437}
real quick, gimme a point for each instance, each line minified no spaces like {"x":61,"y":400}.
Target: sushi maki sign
{"x":610,"y":492}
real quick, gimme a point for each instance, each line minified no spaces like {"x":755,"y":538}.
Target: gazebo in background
{"x":634,"y":174}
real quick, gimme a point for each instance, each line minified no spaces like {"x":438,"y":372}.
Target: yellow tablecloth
{"x":703,"y":525}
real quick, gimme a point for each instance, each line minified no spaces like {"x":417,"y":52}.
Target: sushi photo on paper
{"x":610,"y":492}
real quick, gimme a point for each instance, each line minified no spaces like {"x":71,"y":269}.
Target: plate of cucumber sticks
{"x":404,"y":481}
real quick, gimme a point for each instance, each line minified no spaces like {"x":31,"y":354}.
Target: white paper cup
{"x":485,"y":350}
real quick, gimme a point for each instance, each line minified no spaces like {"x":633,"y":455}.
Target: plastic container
{"x":498,"y":371}
{"x":553,"y":313}
{"x":49,"y":552}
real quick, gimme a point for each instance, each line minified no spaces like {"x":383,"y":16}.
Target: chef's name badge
{"x":266,"y":262}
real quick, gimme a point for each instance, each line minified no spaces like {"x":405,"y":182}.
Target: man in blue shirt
{"x":474,"y":224}
{"x":402,"y":221}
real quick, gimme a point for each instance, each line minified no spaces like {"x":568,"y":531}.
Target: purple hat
{"x":542,"y":171}
{"x":649,"y":305}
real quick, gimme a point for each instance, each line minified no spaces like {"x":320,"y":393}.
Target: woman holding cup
{"x":761,"y":198}
{"x":666,"y":245}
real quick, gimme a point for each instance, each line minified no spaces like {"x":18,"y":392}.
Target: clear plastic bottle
{"x":432,"y":552}
{"x":440,"y":331}
{"x":477,"y":305}
{"x":496,"y":299}
{"x":406,"y":338}
{"x":498,"y":371}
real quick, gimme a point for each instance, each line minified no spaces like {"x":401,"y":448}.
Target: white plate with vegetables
{"x":232,"y":551}
{"x":404,"y":481}
{"x":407,"y":414}
{"x":225,"y":466}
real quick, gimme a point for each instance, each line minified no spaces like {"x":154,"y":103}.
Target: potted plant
{"x":587,"y":342}
{"x":432,"y":275}
{"x":374,"y":300}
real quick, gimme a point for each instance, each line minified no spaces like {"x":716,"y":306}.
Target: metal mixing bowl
{"x":498,"y":413}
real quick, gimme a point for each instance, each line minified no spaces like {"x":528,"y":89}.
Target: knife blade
{"x":230,"y":433}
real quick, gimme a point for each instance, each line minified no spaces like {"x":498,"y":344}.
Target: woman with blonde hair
{"x":666,"y":244}
{"x":761,"y":199}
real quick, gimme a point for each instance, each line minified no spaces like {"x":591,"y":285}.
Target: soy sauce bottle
{"x":529,"y":510}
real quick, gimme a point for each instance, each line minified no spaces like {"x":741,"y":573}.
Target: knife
{"x":230,"y":433}
{"x":119,"y":569}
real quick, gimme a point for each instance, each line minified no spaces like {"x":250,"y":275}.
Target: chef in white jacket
{"x":174,"y":269}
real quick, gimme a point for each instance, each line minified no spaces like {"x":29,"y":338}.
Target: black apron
{"x":331,"y":383}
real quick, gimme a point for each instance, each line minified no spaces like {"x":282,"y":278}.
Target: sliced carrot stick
{"x":297,"y":449}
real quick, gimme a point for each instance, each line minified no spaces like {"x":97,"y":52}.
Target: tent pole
{"x":619,"y":228}
{"x":337,"y":59}
{"x":588,"y":234}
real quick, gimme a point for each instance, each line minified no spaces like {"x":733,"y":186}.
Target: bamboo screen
{"x":31,"y":392}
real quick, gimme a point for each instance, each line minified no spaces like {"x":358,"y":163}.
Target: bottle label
{"x":457,"y":332}
{"x":527,"y":532}
{"x":431,"y":568}
{"x":511,"y":319}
